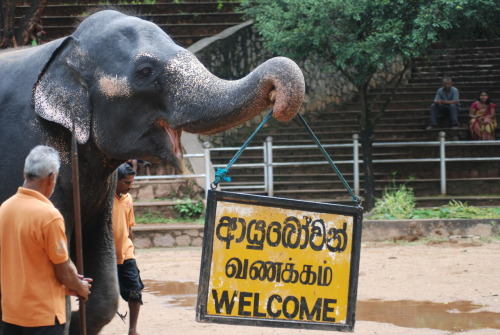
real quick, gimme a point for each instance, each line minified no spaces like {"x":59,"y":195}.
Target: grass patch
{"x":151,"y":218}
{"x":184,"y":211}
{"x":456,"y":210}
{"x":398,"y":202}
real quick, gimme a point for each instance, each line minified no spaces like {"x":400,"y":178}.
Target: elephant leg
{"x":100,"y":265}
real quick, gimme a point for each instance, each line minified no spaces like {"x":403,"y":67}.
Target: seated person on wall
{"x":446,"y":101}
{"x":483,"y":121}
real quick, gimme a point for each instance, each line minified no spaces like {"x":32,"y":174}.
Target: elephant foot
{"x":94,"y":323}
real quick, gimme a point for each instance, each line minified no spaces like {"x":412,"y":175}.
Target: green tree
{"x":361,"y":38}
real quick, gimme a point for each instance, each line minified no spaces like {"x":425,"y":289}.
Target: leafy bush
{"x":399,"y":203}
{"x":396,"y":203}
{"x":189,"y":209}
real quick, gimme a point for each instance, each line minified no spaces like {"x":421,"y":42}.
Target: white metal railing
{"x":268,"y":164}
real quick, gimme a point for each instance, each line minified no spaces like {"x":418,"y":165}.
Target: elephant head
{"x":125,"y":90}
{"x":122,"y":83}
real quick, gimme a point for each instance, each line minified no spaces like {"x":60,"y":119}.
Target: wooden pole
{"x":78,"y":224}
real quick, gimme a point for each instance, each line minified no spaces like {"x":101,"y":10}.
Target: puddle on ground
{"x":453,"y":316}
{"x":183,"y":294}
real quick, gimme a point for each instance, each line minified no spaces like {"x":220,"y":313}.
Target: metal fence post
{"x":206,"y":149}
{"x":355,"y":159}
{"x":442,"y":161}
{"x":269,"y":166}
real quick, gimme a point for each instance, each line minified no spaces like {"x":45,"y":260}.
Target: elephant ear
{"x":60,"y":94}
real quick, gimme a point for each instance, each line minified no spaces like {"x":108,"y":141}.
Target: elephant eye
{"x":145,"y":72}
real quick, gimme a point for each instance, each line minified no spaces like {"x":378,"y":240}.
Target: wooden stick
{"x":78,"y":224}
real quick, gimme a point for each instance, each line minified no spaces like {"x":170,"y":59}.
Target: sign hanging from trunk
{"x":279,"y":262}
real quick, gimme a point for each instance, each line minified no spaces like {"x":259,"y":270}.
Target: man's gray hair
{"x":41,"y":162}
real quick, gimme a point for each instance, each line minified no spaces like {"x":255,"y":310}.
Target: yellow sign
{"x":279,"y":263}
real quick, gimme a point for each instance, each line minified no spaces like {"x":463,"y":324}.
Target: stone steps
{"x":161,"y":196}
{"x":299,"y":172}
{"x":404,"y":120}
{"x":185,"y":22}
{"x":489,"y":64}
{"x":457,"y":79}
{"x":334,"y":191}
{"x":192,"y":7}
{"x":472,"y":73}
{"x":404,"y":132}
{"x":426,"y":94}
{"x":458,"y":60}
{"x":158,"y":18}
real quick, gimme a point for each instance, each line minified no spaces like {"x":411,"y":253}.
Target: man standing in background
{"x":123,"y":220}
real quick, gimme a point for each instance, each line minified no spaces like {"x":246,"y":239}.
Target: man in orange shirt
{"x":123,"y":220}
{"x":36,"y":272}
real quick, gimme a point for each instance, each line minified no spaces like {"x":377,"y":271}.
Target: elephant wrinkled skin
{"x":129,"y":91}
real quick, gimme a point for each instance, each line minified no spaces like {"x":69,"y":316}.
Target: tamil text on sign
{"x":269,"y":261}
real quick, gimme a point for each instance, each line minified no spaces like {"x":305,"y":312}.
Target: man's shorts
{"x":130,"y":281}
{"x":10,"y":329}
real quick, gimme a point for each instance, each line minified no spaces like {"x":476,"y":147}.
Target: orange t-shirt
{"x":123,"y":220}
{"x":32,"y":240}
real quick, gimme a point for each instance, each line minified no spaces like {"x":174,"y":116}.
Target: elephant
{"x":123,"y":89}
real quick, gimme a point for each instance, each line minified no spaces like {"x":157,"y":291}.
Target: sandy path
{"x":441,"y":273}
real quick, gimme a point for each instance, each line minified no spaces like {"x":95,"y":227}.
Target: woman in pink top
{"x":483,"y":120}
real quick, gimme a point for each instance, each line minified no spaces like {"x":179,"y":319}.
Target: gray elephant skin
{"x":129,"y":91}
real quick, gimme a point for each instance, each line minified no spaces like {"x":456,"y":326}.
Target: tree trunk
{"x":26,"y":29}
{"x":366,"y":138}
{"x":31,"y":23}
{"x":367,"y":150}
{"x":367,"y":124}
{"x":8,"y":39}
{"x":1,"y":20}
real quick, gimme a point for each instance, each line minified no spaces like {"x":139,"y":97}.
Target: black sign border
{"x":206,"y":260}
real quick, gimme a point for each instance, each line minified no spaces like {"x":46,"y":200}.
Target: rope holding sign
{"x":355,"y":198}
{"x":220,"y":174}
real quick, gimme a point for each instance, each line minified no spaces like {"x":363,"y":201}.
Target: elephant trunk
{"x":205,"y":104}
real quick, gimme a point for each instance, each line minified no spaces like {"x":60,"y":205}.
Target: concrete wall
{"x":169,"y":236}
{"x":411,"y":230}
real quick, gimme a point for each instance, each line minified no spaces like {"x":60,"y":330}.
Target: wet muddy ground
{"x":431,"y":289}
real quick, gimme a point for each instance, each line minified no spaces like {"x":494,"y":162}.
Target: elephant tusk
{"x":272,"y":96}
{"x":174,"y":137}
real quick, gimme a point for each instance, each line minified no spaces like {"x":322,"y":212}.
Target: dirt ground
{"x":446,"y":276}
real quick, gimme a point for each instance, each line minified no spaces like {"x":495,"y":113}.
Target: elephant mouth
{"x":174,"y":136}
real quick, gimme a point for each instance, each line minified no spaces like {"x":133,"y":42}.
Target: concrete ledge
{"x":167,"y":236}
{"x":183,"y":235}
{"x":377,"y":230}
